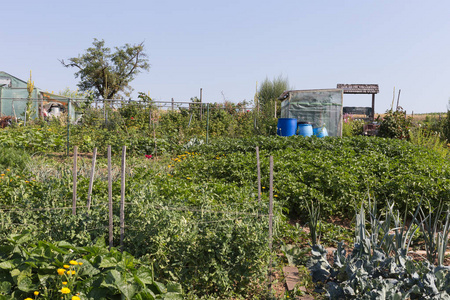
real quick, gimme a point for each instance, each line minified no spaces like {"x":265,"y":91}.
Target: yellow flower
{"x":71,"y":272}
{"x":66,"y":266}
{"x":3,"y":174}
{"x":276,"y":196}
{"x":36,"y":293}
{"x":8,"y":170}
{"x":80,"y":263}
{"x":64,"y":282}
{"x":263,"y":187}
{"x":73,"y":262}
{"x":28,"y":298}
{"x":188,"y":177}
{"x":61,"y":271}
{"x":65,"y":290}
{"x":75,"y":298}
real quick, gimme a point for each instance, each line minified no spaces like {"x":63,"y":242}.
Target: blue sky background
{"x":225,"y":47}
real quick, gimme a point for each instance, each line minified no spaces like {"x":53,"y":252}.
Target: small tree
{"x":108,"y":74}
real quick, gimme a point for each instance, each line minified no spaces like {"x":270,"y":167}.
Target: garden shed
{"x":14,"y":98}
{"x":321,"y":108}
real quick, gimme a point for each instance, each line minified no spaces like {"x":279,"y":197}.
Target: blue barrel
{"x":320,"y":132}
{"x":305,"y":129}
{"x":286,"y":126}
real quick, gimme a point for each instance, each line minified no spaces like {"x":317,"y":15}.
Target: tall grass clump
{"x":13,"y":158}
{"x":430,"y":139}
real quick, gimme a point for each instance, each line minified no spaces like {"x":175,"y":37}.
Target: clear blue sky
{"x":225,"y":47}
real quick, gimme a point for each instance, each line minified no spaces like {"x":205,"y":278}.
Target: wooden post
{"x":270,"y":218}
{"x":74,"y":194}
{"x":91,"y":180}
{"x":398,"y":99}
{"x":207,"y":124}
{"x":201,"y":104}
{"x":172,"y":104}
{"x":275,"y":113}
{"x":150,"y":119}
{"x":122,"y":198}
{"x":258,"y":166}
{"x":110,"y":204}
{"x":68,"y":126}
{"x":373,"y":108}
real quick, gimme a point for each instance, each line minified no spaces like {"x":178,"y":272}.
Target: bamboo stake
{"x":74,"y":192}
{"x":91,"y":180}
{"x":122,"y":198}
{"x":110,"y":204}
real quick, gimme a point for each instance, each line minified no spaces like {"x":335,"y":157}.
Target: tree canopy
{"x":108,"y":74}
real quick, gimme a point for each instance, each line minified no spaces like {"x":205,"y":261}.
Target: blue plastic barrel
{"x":320,"y":132}
{"x":286,"y":126}
{"x":305,"y":129}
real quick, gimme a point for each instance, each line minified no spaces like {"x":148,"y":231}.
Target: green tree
{"x":108,"y":74}
{"x":268,"y":94}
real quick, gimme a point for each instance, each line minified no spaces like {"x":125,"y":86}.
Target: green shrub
{"x":394,"y":124}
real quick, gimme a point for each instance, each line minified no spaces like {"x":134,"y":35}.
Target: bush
{"x":394,"y":124}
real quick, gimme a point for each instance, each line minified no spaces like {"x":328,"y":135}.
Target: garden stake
{"x":91,"y":180}
{"x":110,"y":206}
{"x":68,"y":126}
{"x":201,"y":104}
{"x":270,"y":219}
{"x":207,"y":124}
{"x":258,"y":167}
{"x":74,"y":194}
{"x":122,"y":198}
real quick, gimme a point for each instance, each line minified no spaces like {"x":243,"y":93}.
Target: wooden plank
{"x":359,"y":88}
{"x":291,"y":276}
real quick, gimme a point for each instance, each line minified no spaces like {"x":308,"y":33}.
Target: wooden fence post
{"x":122,"y":198}
{"x":91,"y":180}
{"x":74,"y":192}
{"x":110,"y":204}
{"x":258,"y":166}
{"x":270,"y":219}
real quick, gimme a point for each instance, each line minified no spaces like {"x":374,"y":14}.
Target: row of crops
{"x":193,"y":224}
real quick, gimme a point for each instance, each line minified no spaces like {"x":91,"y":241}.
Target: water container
{"x":320,"y":132}
{"x":286,"y":126}
{"x":305,"y":129}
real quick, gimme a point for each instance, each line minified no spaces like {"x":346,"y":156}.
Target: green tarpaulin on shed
{"x":320,"y":107}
